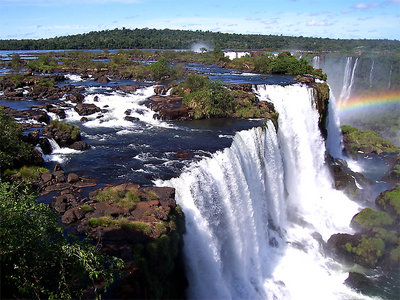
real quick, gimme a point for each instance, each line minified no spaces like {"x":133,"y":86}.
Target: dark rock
{"x":46,"y":177}
{"x":72,"y":178}
{"x":45,"y":145}
{"x":160,"y":90}
{"x":80,"y":145}
{"x":36,"y":158}
{"x":247,"y":87}
{"x":57,"y":167}
{"x":84,"y":119}
{"x":128,"y":88}
{"x":59,"y":176}
{"x":33,"y":137}
{"x":75,"y":98}
{"x":85,"y":109}
{"x":131,"y":119}
{"x":359,"y":282}
{"x":103,"y":79}
{"x":183,"y":155}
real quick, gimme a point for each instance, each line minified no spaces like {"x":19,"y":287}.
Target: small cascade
{"x":371,"y":74}
{"x":316,"y":62}
{"x":348,"y":79}
{"x":257,"y":211}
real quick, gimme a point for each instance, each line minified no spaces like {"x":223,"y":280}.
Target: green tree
{"x":14,"y":152}
{"x":36,"y":259}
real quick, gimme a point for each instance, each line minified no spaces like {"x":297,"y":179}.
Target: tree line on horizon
{"x":183,"y":39}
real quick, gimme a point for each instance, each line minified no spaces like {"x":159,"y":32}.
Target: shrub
{"x":161,"y":70}
{"x":14,"y":152}
{"x":36,"y":259}
{"x":117,"y":194}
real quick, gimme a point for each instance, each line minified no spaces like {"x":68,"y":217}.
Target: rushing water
{"x":258,"y":212}
{"x":259,"y":202}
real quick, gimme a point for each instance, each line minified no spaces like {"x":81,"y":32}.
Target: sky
{"x":347,"y":19}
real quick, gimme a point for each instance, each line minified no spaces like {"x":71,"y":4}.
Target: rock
{"x":45,"y":146}
{"x":128,"y":88}
{"x":57,"y":167}
{"x":59,"y":176}
{"x":160,"y":90}
{"x":75,"y":98}
{"x":389,"y":201}
{"x":85,"y":109}
{"x":359,"y":282}
{"x":72,"y":215}
{"x":33,"y":137}
{"x":169,"y":108}
{"x":103,"y":79}
{"x":247,"y":87}
{"x":183,"y":155}
{"x":46,"y":177}
{"x":63,"y":202}
{"x":131,"y":119}
{"x":72,"y":178}
{"x":368,"y":218}
{"x":80,"y":145}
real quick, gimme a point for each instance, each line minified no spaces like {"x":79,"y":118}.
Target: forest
{"x":183,"y":39}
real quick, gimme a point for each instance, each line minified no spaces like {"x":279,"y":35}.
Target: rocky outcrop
{"x":141,"y":225}
{"x":86,"y":109}
{"x":169,"y":108}
{"x":377,"y":242}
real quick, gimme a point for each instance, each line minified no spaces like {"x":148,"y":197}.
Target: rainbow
{"x":369,"y":101}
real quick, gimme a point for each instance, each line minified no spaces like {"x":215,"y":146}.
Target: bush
{"x":161,"y":70}
{"x":36,"y":259}
{"x":117,"y":194}
{"x":14,"y":152}
{"x":43,"y":63}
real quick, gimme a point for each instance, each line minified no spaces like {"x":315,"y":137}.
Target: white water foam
{"x":257,"y":212}
{"x":74,"y":77}
{"x":58,"y":154}
{"x":116,"y":107}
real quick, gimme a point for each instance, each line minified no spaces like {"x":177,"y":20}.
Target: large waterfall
{"x":258,"y":213}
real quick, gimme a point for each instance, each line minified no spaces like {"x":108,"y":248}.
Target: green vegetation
{"x":366,"y":141}
{"x":28,"y":174}
{"x":369,"y":251}
{"x":390,"y":202}
{"x":44,"y":63}
{"x":210,"y":99}
{"x":14,"y":152}
{"x":86,"y":208}
{"x":183,"y":39}
{"x":369,"y":218}
{"x":117,"y":194}
{"x":73,"y":130}
{"x":36,"y":260}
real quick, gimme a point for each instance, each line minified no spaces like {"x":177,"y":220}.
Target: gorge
{"x":258,"y":196}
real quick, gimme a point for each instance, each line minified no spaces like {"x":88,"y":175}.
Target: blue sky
{"x":318,"y":18}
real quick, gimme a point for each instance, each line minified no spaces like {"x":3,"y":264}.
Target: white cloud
{"x":317,"y":23}
{"x":366,"y":6}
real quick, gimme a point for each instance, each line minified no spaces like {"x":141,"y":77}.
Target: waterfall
{"x":390,"y":77}
{"x":348,"y":79}
{"x":334,"y":141}
{"x":316,"y":62}
{"x":258,"y":211}
{"x":371,"y":73}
